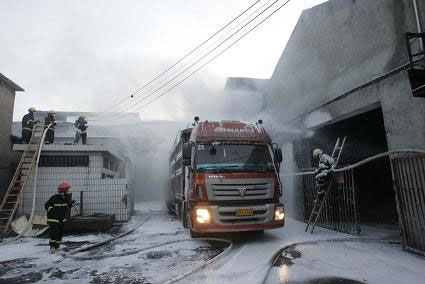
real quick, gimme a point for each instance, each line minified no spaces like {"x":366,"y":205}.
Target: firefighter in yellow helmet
{"x":81,"y":125}
{"x":324,"y":172}
{"x":28,"y":122}
{"x":50,"y":120}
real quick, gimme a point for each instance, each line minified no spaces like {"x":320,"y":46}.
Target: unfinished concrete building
{"x":355,"y":69}
{"x":97,"y":176}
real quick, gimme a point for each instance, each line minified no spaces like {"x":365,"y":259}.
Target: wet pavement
{"x":151,"y":266}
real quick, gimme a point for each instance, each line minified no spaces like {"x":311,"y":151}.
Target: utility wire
{"x":203,"y":65}
{"x":210,"y":53}
{"x":181,"y":59}
{"x":127,"y":105}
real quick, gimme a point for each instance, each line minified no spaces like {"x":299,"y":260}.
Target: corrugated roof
{"x":10,"y":84}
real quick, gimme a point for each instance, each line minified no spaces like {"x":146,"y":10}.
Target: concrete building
{"x":7,"y":101}
{"x":346,"y":71}
{"x":97,"y":176}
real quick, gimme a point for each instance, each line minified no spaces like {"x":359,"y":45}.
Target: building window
{"x":110,"y":164}
{"x":64,"y":161}
{"x":105,"y":163}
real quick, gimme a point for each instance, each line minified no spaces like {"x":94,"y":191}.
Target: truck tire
{"x":185,"y":216}
{"x":194,"y":234}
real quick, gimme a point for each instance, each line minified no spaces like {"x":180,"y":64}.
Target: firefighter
{"x":28,"y":122}
{"x":324,"y":172}
{"x":50,"y":119}
{"x":58,"y":207}
{"x":81,"y":125}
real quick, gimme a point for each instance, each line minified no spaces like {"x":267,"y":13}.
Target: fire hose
{"x":72,"y":255}
{"x":362,"y":162}
{"x":276,"y":256}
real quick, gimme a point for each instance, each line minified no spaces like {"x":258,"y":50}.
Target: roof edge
{"x":9,"y":83}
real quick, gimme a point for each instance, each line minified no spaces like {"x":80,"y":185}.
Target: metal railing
{"x":340,"y":212}
{"x":409,"y":185}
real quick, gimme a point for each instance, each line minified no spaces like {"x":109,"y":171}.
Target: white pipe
{"x":378,"y":156}
{"x":34,"y":188}
{"x":418,"y":23}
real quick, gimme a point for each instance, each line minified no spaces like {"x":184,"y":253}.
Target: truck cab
{"x":231,"y":179}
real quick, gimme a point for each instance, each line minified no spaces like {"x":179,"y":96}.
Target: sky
{"x":88,"y":55}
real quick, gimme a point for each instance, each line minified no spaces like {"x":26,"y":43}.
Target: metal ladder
{"x":22,"y":174}
{"x":320,"y":201}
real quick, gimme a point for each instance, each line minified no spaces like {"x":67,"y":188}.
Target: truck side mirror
{"x":187,"y":151}
{"x":278,"y":155}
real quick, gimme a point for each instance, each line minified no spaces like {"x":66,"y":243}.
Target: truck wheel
{"x":194,"y":234}
{"x":185,"y":216}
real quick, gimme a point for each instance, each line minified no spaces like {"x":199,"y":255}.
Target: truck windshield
{"x":233,"y":157}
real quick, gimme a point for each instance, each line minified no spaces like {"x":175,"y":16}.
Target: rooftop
{"x":71,"y":148}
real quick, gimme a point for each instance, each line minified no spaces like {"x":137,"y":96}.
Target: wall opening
{"x":64,"y":161}
{"x":373,"y":185}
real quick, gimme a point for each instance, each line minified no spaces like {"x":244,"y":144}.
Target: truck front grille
{"x":239,"y":189}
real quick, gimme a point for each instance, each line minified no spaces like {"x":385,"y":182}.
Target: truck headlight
{"x":279,"y":213}
{"x":203,"y":216}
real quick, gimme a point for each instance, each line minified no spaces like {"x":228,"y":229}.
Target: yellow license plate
{"x":244,"y":212}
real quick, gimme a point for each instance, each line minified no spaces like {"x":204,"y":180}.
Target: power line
{"x":215,"y":48}
{"x":128,"y":104}
{"x":213,"y":58}
{"x":184,"y":57}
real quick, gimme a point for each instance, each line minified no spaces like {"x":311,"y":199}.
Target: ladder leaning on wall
{"x":10,"y":202}
{"x":320,"y":202}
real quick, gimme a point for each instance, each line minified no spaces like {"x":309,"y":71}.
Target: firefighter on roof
{"x":50,"y":119}
{"x":81,"y":125}
{"x":58,"y":207}
{"x":28,"y":122}
{"x":324,"y":172}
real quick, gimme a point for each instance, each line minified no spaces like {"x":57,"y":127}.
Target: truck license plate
{"x":244,"y":212}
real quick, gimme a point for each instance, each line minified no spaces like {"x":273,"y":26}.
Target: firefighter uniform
{"x":58,"y":207}
{"x":28,"y":125}
{"x":81,"y":125}
{"x":50,"y":135}
{"x":324,"y":172}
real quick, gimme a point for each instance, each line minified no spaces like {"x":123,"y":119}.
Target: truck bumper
{"x":223,"y":219}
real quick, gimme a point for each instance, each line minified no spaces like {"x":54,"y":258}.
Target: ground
{"x":308,"y":258}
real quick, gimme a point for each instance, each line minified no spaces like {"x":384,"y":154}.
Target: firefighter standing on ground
{"x":58,"y":207}
{"x":50,"y":119}
{"x":28,"y":122}
{"x":81,"y":125}
{"x":324,"y":172}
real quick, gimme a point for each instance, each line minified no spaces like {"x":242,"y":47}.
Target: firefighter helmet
{"x":31,"y":109}
{"x":51,"y":112}
{"x":63,"y":187}
{"x":317,"y":153}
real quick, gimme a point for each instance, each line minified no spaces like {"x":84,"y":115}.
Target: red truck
{"x":225,"y":178}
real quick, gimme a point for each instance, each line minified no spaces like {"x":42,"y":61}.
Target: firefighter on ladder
{"x":323,"y":173}
{"x":50,"y":119}
{"x":58,"y":207}
{"x":28,"y":122}
{"x":81,"y":125}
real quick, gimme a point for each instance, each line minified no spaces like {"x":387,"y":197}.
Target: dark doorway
{"x":373,"y":181}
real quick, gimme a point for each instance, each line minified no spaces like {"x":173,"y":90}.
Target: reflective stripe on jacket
{"x":57,"y":208}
